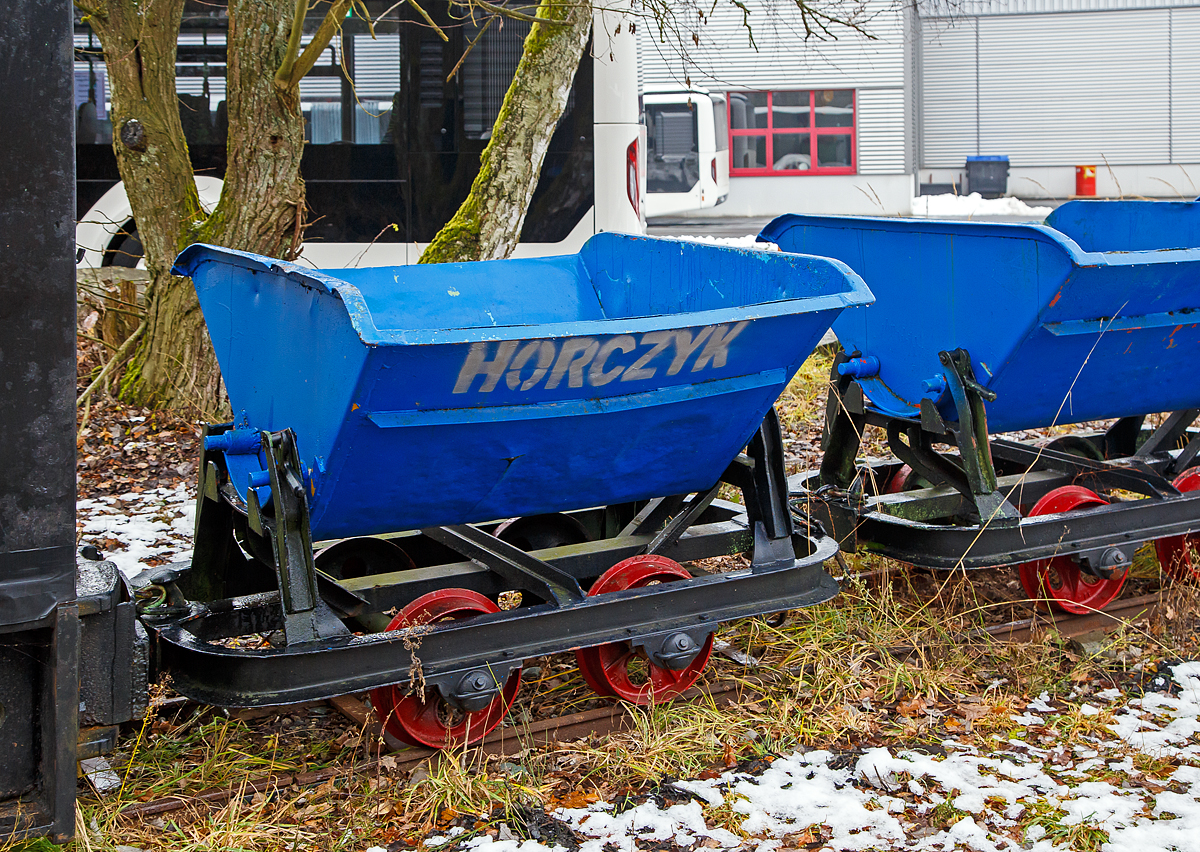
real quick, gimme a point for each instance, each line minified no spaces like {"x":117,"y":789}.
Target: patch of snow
{"x":1039,"y":705}
{"x":749,"y":241}
{"x":491,"y":844}
{"x":155,"y":524}
{"x":974,"y":205}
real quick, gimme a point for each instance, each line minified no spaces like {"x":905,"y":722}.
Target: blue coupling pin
{"x":860,"y":368}
{"x":259,"y":479}
{"x":936,"y":385}
{"x":236,"y":442}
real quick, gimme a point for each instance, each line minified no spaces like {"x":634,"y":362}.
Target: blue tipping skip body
{"x":1109,"y":226}
{"x":430,"y":395}
{"x":1062,"y":335}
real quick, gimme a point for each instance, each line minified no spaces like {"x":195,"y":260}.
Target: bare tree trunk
{"x":139,"y":48}
{"x":262,"y":203}
{"x":488,"y":224}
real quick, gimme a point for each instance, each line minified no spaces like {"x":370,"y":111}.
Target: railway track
{"x":596,"y":722}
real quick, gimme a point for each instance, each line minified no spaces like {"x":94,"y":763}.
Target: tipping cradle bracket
{"x":911,"y":439}
{"x":762,"y":477}
{"x":306,"y":616}
{"x":513,"y":564}
{"x":971,"y":437}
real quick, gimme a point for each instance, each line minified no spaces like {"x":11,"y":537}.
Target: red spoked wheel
{"x":906,"y":479}
{"x":428,"y":720}
{"x":1059,"y":582}
{"x":618,"y":668}
{"x":1177,"y":554}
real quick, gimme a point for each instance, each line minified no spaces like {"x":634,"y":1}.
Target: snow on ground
{"x":974,"y":206}
{"x":1019,"y":796}
{"x":153,"y":525}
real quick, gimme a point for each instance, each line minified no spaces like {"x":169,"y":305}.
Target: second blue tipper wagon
{"x":987,"y":328}
{"x":495,"y":461}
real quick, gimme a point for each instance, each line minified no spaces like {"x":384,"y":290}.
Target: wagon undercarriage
{"x":325,"y":619}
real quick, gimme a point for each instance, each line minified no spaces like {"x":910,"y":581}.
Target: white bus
{"x":687,"y":151}
{"x":390,"y":156}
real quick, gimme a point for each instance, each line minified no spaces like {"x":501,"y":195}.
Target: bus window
{"x":673,"y":152}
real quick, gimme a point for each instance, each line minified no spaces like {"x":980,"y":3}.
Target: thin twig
{"x":470,"y":46}
{"x":95,"y":339}
{"x":509,"y":13}
{"x":111,"y":299}
{"x":117,"y":358}
{"x":140,"y":314}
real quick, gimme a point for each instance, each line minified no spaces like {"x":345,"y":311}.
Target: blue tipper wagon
{"x":525,"y":448}
{"x":986,"y":327}
{"x":1110,"y":225}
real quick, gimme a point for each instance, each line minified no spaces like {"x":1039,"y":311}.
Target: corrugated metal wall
{"x":880,"y":131}
{"x":949,"y":123}
{"x":781,"y":58}
{"x":1058,"y":89}
{"x":1185,"y":87}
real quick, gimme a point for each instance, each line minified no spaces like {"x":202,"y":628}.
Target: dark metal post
{"x":39,"y":627}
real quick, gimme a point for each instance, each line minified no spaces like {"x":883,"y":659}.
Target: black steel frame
{"x":253,"y":572}
{"x":971,"y":517}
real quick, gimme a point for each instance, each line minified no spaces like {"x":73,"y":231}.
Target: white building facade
{"x":816,"y":126}
{"x":1055,"y":84}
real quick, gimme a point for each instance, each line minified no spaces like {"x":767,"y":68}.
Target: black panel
{"x":39,"y":632}
{"x":37,"y":312}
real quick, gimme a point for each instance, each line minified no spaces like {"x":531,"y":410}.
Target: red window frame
{"x":814,"y":132}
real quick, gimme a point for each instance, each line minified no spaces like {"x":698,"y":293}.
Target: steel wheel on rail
{"x":361,"y":557}
{"x":618,"y":668}
{"x":538,"y":532}
{"x":906,"y":479}
{"x":1059,"y":582}
{"x":1076,"y":445}
{"x":428,"y":720}
{"x":1177,"y":554}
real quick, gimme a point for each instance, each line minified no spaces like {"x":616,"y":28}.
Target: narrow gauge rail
{"x":604,"y":720}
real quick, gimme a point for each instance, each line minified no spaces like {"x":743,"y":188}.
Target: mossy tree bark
{"x":488,"y":224}
{"x":262,"y":203}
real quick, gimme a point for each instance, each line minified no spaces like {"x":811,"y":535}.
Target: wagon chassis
{"x":971,"y":516}
{"x":253,"y":573}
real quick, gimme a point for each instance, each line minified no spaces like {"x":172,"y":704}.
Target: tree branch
{"x":293,"y":45}
{"x":428,"y":19}
{"x":471,"y":46}
{"x":88,"y":9}
{"x":508,"y":13}
{"x":312,"y":52}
